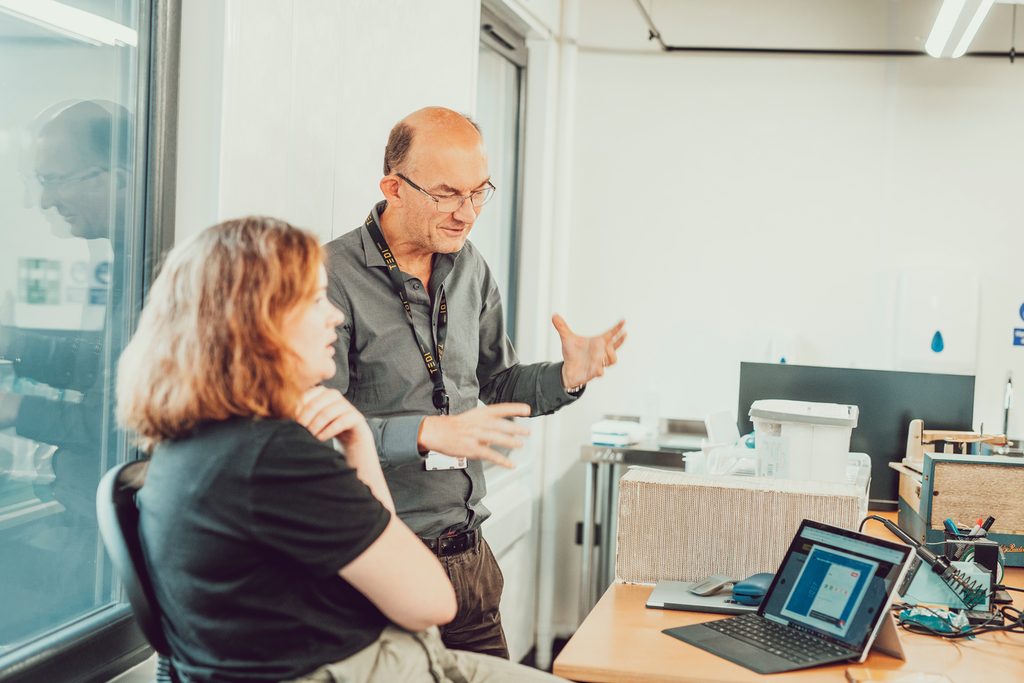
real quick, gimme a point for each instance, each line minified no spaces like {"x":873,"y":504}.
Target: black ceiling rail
{"x":832,"y":52}
{"x":654,"y":34}
{"x":798,"y":51}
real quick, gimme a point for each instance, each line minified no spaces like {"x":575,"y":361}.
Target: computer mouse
{"x":751,"y":590}
{"x":711,"y":585}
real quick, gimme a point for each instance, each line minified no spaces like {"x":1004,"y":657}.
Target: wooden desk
{"x":621,"y":640}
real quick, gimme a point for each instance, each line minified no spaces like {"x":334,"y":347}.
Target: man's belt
{"x":453,"y":544}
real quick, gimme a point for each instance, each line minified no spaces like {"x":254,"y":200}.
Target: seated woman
{"x":273,"y":555}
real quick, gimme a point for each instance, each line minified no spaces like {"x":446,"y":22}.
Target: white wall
{"x":200,"y":101}
{"x":732,"y":206}
{"x":782,"y":200}
{"x":311,"y":89}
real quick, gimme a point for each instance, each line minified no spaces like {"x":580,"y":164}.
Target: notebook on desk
{"x":828,"y":603}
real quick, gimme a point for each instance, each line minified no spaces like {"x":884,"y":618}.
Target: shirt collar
{"x":443,"y":263}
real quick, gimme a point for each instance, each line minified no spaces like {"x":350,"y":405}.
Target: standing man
{"x":424,"y":343}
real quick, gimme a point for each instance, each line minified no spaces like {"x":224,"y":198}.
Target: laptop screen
{"x":835,"y":583}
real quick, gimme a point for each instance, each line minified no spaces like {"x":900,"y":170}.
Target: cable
{"x":1010,"y":614}
{"x":891,"y":527}
{"x":1016,"y":624}
{"x":652,"y":30}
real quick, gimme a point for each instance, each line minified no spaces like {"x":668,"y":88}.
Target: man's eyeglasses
{"x":55,"y":182}
{"x":452,"y":204}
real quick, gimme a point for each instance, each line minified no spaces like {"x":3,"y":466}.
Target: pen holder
{"x":960,"y":534}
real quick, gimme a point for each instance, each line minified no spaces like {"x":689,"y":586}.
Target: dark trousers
{"x":478,"y":583}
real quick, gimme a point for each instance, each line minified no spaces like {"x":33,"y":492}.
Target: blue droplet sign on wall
{"x":1021,"y":311}
{"x":938,"y":344}
{"x":1018,"y":336}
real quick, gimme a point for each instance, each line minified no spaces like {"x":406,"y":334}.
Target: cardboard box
{"x":678,"y":526}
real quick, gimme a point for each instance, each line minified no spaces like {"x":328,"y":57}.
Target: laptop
{"x":827,"y":603}
{"x":677,"y":595}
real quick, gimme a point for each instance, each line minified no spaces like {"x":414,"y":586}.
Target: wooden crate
{"x":964,"y":488}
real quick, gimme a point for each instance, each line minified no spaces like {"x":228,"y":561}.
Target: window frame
{"x":107,"y":642}
{"x":509,"y":43}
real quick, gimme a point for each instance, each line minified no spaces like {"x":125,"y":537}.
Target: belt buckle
{"x":452,"y":542}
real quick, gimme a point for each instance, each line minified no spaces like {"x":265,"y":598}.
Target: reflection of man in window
{"x":82,"y":166}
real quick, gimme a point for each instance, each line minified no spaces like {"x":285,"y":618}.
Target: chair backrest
{"x":119,"y":527}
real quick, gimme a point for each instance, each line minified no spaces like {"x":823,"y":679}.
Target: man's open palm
{"x":587,"y":357}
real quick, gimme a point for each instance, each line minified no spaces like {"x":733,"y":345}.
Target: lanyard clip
{"x":441,"y":401}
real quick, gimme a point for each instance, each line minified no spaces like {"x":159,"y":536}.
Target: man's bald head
{"x":91,"y":133}
{"x":431,"y":126}
{"x":434,"y":166}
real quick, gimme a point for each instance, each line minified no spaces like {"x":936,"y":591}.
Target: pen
{"x":977,"y":530}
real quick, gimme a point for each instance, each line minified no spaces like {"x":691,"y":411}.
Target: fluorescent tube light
{"x":972,"y":28}
{"x":71,"y":22}
{"x":955,"y":27}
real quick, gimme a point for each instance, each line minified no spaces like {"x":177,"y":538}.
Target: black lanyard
{"x":431,"y":358}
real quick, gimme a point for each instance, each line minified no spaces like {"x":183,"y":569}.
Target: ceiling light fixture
{"x":955,"y":27}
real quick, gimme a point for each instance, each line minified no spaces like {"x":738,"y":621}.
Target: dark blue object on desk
{"x":751,"y":590}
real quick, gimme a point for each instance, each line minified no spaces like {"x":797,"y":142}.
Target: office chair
{"x":119,"y":527}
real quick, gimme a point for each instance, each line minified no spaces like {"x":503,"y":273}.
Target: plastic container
{"x":803,"y":440}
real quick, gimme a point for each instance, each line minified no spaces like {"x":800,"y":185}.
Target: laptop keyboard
{"x":789,"y":643}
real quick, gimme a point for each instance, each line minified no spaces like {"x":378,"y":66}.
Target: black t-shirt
{"x":244,"y":527}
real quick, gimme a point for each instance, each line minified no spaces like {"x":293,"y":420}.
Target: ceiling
{"x":791,"y":24}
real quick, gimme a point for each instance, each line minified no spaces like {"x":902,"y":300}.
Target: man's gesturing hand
{"x":587,"y":357}
{"x":472,"y":433}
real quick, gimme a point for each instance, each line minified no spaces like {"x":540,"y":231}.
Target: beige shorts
{"x":422,"y":658}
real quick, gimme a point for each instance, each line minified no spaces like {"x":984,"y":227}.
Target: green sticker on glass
{"x":39,"y":281}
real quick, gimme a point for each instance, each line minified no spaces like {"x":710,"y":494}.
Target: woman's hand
{"x":327,"y":414}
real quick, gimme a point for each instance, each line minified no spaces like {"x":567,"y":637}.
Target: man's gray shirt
{"x":381,"y":371}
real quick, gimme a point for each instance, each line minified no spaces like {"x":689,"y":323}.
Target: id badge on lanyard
{"x":435,"y":461}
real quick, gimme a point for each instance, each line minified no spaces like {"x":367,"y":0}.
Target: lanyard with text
{"x":431,"y":358}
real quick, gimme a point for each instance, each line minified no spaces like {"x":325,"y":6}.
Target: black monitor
{"x":888,"y":401}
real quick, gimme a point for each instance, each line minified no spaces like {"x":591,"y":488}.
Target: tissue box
{"x":617,"y":433}
{"x":679,"y":526}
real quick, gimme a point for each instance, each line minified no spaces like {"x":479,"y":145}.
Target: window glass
{"x":494,"y":234}
{"x":68,"y":226}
